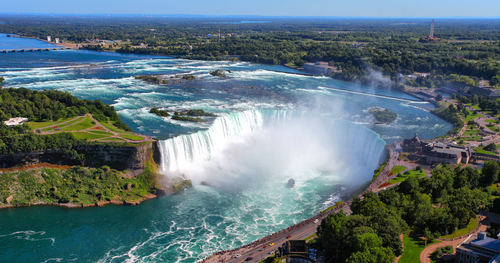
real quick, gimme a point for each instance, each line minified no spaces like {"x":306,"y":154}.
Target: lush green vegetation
{"x":200,"y":113}
{"x":470,"y":227}
{"x":401,"y":177}
{"x":428,"y":207}
{"x":184,"y":118}
{"x":384,"y":116}
{"x":377,"y":171}
{"x":76,"y":185}
{"x":131,"y":137}
{"x":218,"y":73}
{"x":43,"y":106}
{"x":397,"y":169}
{"x":450,"y":114}
{"x":437,"y":255}
{"x":161,"y":113}
{"x":413,"y":248}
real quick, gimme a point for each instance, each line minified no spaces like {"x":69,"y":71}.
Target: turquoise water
{"x":286,"y":126}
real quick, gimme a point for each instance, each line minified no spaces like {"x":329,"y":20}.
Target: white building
{"x":49,"y":39}
{"x":15,"y":121}
{"x":57,"y":40}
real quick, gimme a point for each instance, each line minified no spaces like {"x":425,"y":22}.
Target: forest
{"x":466,"y":48}
{"x":47,"y":105}
{"x":426,"y":207}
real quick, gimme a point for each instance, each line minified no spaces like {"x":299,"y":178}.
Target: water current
{"x":272,"y":125}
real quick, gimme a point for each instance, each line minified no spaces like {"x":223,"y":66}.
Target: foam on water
{"x":285,"y":128}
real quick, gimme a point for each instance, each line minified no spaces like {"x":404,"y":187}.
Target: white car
{"x":237,"y":256}
{"x":316,"y":221}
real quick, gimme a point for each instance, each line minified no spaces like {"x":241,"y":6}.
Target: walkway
{"x":426,"y":253}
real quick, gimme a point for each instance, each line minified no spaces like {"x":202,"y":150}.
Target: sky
{"x":337,"y":8}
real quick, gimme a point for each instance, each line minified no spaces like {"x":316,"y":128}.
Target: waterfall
{"x":354,"y":144}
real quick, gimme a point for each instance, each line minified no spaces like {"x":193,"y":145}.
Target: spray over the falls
{"x":254,"y":147}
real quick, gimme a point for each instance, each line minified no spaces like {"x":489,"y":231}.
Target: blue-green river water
{"x":272,"y":126}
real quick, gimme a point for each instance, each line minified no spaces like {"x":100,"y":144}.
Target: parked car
{"x":249,"y":258}
{"x":237,"y":256}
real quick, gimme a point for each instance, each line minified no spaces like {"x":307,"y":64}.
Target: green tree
{"x":489,"y":173}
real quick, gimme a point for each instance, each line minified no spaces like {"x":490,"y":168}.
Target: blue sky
{"x":344,"y":8}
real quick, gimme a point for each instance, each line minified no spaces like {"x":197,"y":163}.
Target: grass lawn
{"x":132,"y":137}
{"x":100,"y":132}
{"x":403,"y":177}
{"x":38,"y":125}
{"x":463,"y":231}
{"x":291,"y":65}
{"x":471,"y":132}
{"x":113,"y":139}
{"x":412,"y":249}
{"x":85,"y":124}
{"x":470,"y":117}
{"x":88,"y":136}
{"x":492,"y":121}
{"x":111,"y":127}
{"x":397,"y":169}
{"x":480,"y":150}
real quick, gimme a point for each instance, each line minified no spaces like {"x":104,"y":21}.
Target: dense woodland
{"x":428,"y":207}
{"x":45,"y":106}
{"x":357,"y":47}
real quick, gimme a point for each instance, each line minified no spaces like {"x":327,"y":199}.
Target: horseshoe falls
{"x":271,"y":126}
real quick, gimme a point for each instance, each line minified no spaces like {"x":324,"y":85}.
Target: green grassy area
{"x":397,"y":169}
{"x":88,"y":136}
{"x":132,"y":137}
{"x":470,"y":117}
{"x":291,"y":65}
{"x":309,"y":237}
{"x":75,"y":185}
{"x":463,"y":231}
{"x":38,"y":125}
{"x":75,"y":120}
{"x":413,"y":247}
{"x":100,"y":132}
{"x":491,"y":121}
{"x":85,"y":124}
{"x":471,"y":132}
{"x":111,"y":127}
{"x":403,"y":177}
{"x":113,"y":139}
{"x":480,"y":150}
{"x":444,"y":250}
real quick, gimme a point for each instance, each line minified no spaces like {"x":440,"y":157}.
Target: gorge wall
{"x":132,"y":159}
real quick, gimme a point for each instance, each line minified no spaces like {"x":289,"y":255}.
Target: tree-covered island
{"x":384,"y":115}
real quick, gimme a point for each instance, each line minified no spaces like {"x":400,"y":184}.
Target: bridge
{"x":32,"y":49}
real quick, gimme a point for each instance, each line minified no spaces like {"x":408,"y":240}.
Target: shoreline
{"x":99,"y":204}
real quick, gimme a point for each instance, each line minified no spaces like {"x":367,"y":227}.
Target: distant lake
{"x":21,"y":43}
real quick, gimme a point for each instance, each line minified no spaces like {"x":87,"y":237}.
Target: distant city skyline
{"x":325,"y":8}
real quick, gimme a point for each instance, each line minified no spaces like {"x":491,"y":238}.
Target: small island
{"x":218,"y":73}
{"x":160,"y":113}
{"x":192,"y":115}
{"x":384,"y":115}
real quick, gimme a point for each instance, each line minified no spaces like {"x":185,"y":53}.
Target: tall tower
{"x":431,"y":36}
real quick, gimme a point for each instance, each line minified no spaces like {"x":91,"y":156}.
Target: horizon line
{"x":243,"y":16}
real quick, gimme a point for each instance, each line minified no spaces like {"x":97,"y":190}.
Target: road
{"x":257,"y":250}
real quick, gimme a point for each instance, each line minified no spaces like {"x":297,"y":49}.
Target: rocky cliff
{"x":130,"y":158}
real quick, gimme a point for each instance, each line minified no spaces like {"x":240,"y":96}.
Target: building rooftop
{"x":489,"y":243}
